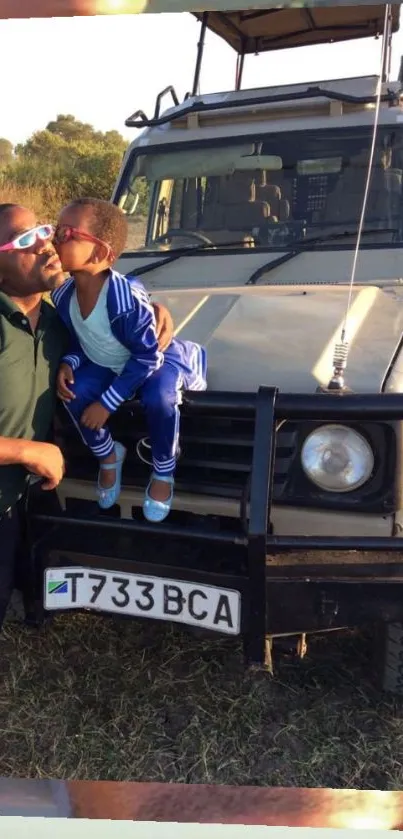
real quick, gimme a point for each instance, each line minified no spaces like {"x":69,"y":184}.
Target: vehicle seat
{"x":344,"y":203}
{"x":231,"y":208}
{"x":272,"y":194}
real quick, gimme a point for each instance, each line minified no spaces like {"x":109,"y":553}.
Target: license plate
{"x":209,"y":607}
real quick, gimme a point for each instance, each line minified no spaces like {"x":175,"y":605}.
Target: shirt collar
{"x":7,"y":306}
{"x":10,"y":309}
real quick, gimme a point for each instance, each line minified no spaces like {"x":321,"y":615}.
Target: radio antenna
{"x":342,"y":348}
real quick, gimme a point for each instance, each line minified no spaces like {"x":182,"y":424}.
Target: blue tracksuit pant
{"x":160,"y":396}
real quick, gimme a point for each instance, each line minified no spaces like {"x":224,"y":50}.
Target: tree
{"x":67,"y":136}
{"x":69,"y":128}
{"x":42,"y":145}
{"x":6,"y":152}
{"x":71,"y":155}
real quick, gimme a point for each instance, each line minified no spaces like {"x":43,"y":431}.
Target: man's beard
{"x":51,"y":282}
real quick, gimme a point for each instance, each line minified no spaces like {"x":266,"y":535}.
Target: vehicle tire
{"x":391,"y":658}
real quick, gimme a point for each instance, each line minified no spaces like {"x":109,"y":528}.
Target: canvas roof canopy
{"x":263,"y":29}
{"x":235,"y":20}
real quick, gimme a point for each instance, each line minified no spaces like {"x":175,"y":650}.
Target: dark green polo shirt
{"x":28,"y":368}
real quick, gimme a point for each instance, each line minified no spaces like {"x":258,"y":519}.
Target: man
{"x":32,"y":341}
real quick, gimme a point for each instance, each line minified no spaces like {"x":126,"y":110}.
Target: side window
{"x":175,"y":209}
{"x":192,"y":192}
{"x":135,"y":202}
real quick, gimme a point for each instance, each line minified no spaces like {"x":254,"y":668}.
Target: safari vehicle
{"x":270,"y":222}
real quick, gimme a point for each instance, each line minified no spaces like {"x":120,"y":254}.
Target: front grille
{"x":216,"y":460}
{"x":216,"y":454}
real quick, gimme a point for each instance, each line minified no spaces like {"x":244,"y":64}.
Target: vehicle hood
{"x":285,"y":336}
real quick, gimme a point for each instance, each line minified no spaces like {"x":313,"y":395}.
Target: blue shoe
{"x":108,"y":496}
{"x":157,"y":511}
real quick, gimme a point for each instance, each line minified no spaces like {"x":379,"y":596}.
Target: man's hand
{"x":95,"y":416}
{"x":64,"y":378}
{"x":165,"y":326}
{"x":44,"y":460}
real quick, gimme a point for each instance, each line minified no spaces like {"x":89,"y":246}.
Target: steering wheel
{"x":187,"y":234}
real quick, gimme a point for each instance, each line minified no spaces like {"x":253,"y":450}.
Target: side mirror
{"x":128,"y":202}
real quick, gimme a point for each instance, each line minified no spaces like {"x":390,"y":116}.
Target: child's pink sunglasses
{"x":64,"y":233}
{"x":29,"y":238}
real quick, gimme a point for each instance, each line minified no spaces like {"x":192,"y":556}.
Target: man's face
{"x":32,"y":270}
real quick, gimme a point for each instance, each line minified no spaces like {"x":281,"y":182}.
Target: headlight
{"x":336,"y":458}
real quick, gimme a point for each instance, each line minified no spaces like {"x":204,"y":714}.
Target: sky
{"x":101,"y":69}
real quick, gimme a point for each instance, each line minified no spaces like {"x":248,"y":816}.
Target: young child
{"x":114,"y":353}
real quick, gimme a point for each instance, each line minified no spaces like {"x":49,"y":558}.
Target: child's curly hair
{"x":108,"y":222}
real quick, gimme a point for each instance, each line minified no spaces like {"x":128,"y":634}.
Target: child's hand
{"x":65,"y":377}
{"x":95,"y":416}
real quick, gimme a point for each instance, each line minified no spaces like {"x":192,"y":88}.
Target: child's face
{"x":75,"y":250}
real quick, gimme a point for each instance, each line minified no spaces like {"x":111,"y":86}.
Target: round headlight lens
{"x":337,"y":458}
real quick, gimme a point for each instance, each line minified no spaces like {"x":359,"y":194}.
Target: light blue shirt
{"x":95,"y":335}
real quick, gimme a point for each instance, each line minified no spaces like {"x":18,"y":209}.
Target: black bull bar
{"x":267,"y":406}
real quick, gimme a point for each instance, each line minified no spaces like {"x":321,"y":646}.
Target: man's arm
{"x":165,"y":326}
{"x":42,"y":459}
{"x":11,"y":451}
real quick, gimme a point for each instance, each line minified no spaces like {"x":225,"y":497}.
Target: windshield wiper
{"x":328,"y":237}
{"x":268,"y":266}
{"x":314,"y":240}
{"x":178,"y":254}
{"x":144,"y":269}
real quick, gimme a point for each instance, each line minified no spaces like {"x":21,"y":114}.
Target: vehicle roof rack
{"x":140,"y":120}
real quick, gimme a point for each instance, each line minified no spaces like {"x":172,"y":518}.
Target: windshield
{"x":272,"y":191}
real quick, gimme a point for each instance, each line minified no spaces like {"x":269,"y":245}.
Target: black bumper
{"x":276,"y":598}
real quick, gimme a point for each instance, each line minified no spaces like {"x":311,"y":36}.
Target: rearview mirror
{"x":320,"y":166}
{"x":207,"y":162}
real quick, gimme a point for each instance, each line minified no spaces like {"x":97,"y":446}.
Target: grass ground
{"x":45,"y":203}
{"x":93,"y":698}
